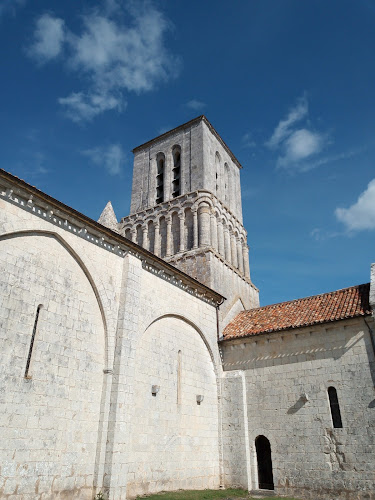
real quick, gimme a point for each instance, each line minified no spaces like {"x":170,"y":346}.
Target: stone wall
{"x":208,"y":267}
{"x":175,"y":443}
{"x":50,"y":419}
{"x":197,"y":234}
{"x":70,"y":426}
{"x":145,"y":166}
{"x":206,"y":163}
{"x":222,"y":175}
{"x":235,"y":445}
{"x":287,"y":376}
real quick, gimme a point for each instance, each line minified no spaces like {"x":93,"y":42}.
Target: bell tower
{"x":186,"y":208}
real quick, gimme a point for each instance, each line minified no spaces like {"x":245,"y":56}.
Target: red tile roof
{"x":341,"y":304}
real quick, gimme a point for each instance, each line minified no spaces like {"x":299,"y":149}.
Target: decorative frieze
{"x":67,"y":222}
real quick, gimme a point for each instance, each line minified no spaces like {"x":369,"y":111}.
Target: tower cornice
{"x":201,"y":118}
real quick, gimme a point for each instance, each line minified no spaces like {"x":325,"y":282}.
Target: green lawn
{"x":204,"y":495}
{"x":197,"y":495}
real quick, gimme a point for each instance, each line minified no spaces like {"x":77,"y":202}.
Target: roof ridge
{"x":301,"y":299}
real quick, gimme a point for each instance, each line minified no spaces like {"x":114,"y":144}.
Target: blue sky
{"x":289,"y":85}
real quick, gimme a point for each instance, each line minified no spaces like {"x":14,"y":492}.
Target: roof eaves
{"x":294,"y":327}
{"x":96,"y":225}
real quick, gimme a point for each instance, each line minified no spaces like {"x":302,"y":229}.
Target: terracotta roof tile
{"x":341,"y":304}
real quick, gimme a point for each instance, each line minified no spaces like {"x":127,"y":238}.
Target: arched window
{"x":217,"y":174}
{"x":160,"y":162}
{"x":189,"y":229}
{"x":151,"y":236}
{"x":176,"y":172}
{"x":139,"y":235}
{"x":335,"y":408}
{"x":175,"y":233}
{"x":163,"y":236}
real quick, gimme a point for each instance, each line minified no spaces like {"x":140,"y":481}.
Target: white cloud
{"x":84,"y":107}
{"x":195,"y":105}
{"x":284,"y":128}
{"x":296,"y":144}
{"x":111,"y":157}
{"x":360,"y":215}
{"x":49,"y":36}
{"x":115,"y":57}
{"x":328,"y":159}
{"x":299,"y":146}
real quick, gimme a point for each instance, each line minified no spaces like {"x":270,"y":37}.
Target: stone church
{"x":136,"y":358}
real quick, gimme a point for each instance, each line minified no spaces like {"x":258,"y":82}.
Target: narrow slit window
{"x":335,"y":408}
{"x":160,"y":179}
{"x":176,"y":185}
{"x":179,"y":369}
{"x":27,"y":375}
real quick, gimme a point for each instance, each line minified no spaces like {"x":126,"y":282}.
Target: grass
{"x":204,"y":495}
{"x":197,"y":495}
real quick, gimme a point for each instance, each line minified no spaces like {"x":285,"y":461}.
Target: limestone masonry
{"x":136,"y":358}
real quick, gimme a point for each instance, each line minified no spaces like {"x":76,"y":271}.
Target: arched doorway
{"x":265,"y":475}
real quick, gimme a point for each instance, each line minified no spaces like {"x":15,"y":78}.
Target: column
{"x":245,"y":253}
{"x":169,"y":236}
{"x":213,"y":231}
{"x":204,"y":226}
{"x":220,"y":237}
{"x":239,"y":255}
{"x":181,"y":216}
{"x":133,"y":233}
{"x":145,"y":241}
{"x":195,"y":228}
{"x":227,"y":244}
{"x":157,"y":239}
{"x":233,"y":249}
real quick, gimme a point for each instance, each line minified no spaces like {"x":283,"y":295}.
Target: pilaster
{"x":118,"y":435}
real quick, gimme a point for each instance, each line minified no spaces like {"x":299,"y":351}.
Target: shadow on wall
{"x":297,"y":405}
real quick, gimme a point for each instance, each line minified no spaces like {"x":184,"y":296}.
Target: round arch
{"x":78,"y":260}
{"x":189,"y":322}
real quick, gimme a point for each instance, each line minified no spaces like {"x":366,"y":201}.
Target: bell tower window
{"x":176,"y":172}
{"x":160,"y":162}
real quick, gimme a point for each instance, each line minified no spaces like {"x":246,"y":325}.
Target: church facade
{"x":136,"y":358}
